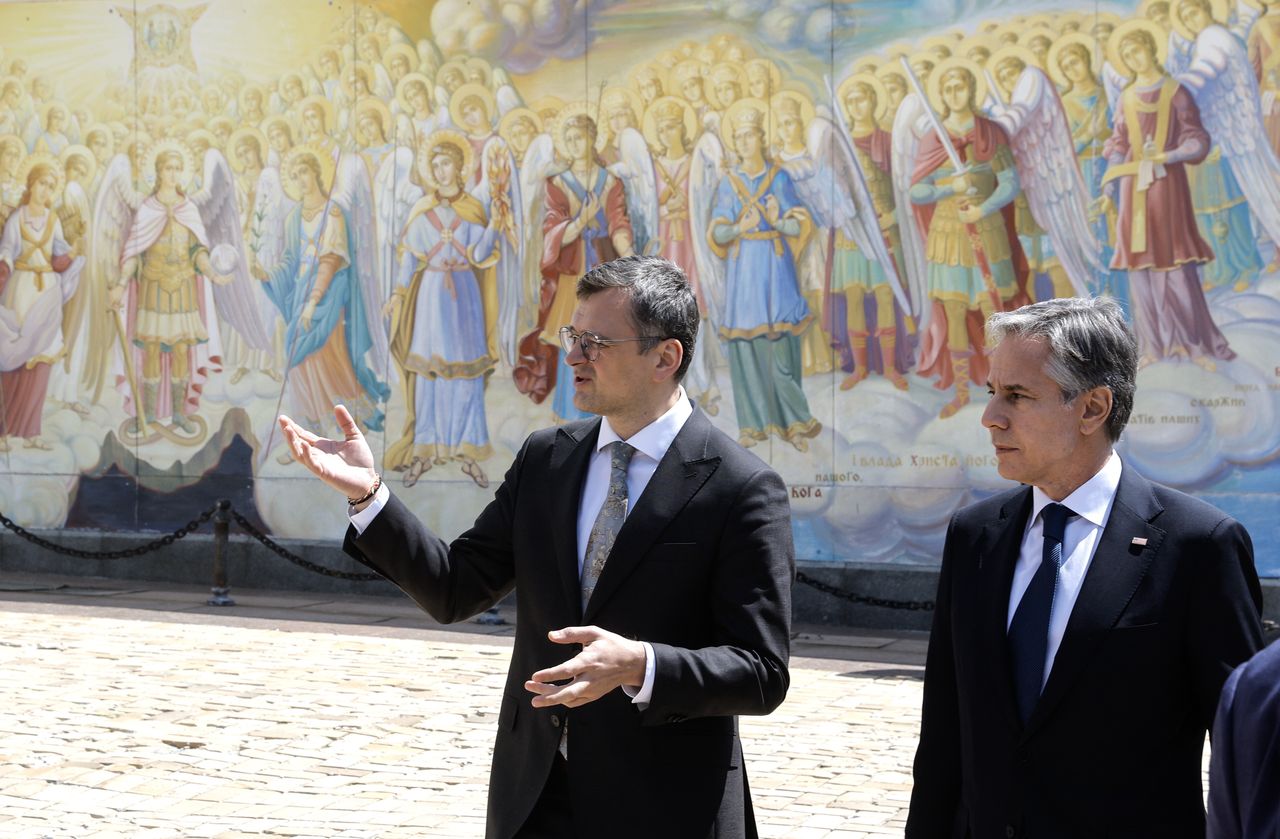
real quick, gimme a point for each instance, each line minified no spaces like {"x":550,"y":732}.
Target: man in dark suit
{"x":1086,"y":621}
{"x":646,"y":548}
{"x":1244,"y":770}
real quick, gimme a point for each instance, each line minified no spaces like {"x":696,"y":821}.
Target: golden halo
{"x":866,"y":64}
{"x":477,"y":91}
{"x":1065,"y":19}
{"x":291,"y":158}
{"x":355,"y":69}
{"x":730,"y":117}
{"x":1026,"y":56}
{"x":281,"y":120}
{"x":14,"y":141}
{"x":202,"y":134}
{"x":549,"y":108}
{"x":326,"y":108}
{"x":452,"y":138}
{"x":1043,"y":19}
{"x":244,"y":96}
{"x":402,"y":90}
{"x":105,"y":130}
{"x":806,"y":110}
{"x":566,"y":113}
{"x":975,"y":42}
{"x":877,"y":87}
{"x":689,"y":69}
{"x":1124,"y":30}
{"x":452,"y":64}
{"x":292,"y":76}
{"x":485,"y":68}
{"x":165,"y":147}
{"x":49,"y":106}
{"x":1006,"y":35}
{"x":934,"y":85}
{"x":409,"y":53}
{"x":1038,"y":32}
{"x":1219,"y":9}
{"x":37,"y":159}
{"x":644,"y":71}
{"x":83,"y":153}
{"x":1055,"y":54}
{"x":940,"y":45}
{"x":609,"y":100}
{"x":924,"y":56}
{"x":380,"y":108}
{"x":650,"y":120}
{"x":728,"y":71}
{"x":8,"y":80}
{"x":512,"y":116}
{"x":234,"y":142}
{"x":1145,"y":7}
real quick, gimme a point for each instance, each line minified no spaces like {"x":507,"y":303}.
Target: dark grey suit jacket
{"x":702,"y":569}
{"x":1244,"y":772}
{"x":1114,"y":746}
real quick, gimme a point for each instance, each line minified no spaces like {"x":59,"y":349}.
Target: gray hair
{"x":1090,"y":345}
{"x":662,"y":301}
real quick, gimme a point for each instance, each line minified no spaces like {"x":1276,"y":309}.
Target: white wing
{"x":1049,"y":174}
{"x":704,"y":183}
{"x":504,"y":91}
{"x":382,"y":86}
{"x":500,"y":182}
{"x":850,"y":208}
{"x":112,"y":215}
{"x":353,"y":193}
{"x":640,"y":183}
{"x":1114,"y":83}
{"x":908,"y":127}
{"x":271,"y":206}
{"x":395,"y":193}
{"x":1180,"y":54}
{"x":539,"y":164}
{"x":1220,"y":78}
{"x":242,"y":301}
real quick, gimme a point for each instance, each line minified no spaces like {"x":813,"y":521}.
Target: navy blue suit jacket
{"x":1244,"y":772}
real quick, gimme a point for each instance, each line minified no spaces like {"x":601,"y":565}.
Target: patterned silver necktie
{"x":609,"y":521}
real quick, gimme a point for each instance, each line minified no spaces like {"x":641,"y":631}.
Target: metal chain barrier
{"x":881,"y":602}
{"x":285,"y":553}
{"x":128,"y":553}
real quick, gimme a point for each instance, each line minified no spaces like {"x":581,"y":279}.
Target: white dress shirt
{"x":650,"y":443}
{"x":1091,"y":507}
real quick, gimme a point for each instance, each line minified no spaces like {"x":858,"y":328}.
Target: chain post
{"x":221,"y":528}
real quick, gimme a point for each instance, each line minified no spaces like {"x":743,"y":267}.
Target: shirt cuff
{"x":644,"y":695}
{"x":365,"y":517}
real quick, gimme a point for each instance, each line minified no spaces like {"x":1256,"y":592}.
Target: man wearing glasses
{"x":651,"y":553}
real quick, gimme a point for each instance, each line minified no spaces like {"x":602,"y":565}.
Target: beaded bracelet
{"x":373,"y":490}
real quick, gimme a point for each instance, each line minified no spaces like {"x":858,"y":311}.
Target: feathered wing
{"x":704,"y":183}
{"x":395,"y":193}
{"x":539,"y":163}
{"x":271,"y":206}
{"x":499,"y":191}
{"x":908,"y":127}
{"x":1049,"y":174}
{"x":504,"y":92}
{"x":112,"y":215}
{"x":241,"y":302}
{"x":1221,"y":80}
{"x":640,"y":183}
{"x":354,"y":194}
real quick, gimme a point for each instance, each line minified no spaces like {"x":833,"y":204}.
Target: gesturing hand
{"x":346,"y":465}
{"x":607,"y":661}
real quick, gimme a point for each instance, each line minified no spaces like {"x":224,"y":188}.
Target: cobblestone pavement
{"x":154,"y":718}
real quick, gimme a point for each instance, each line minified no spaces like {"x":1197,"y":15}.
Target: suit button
{"x":1010,"y":831}
{"x":555,"y":720}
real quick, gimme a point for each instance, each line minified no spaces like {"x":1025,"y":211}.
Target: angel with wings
{"x":1212,"y":63}
{"x":165,"y":247}
{"x":626,"y":154}
{"x":1158,"y":134}
{"x":260,"y":199}
{"x":326,"y":289}
{"x":536,"y":160}
{"x":39,"y":274}
{"x":438,"y":332}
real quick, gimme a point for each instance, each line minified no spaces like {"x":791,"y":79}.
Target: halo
{"x":866,"y":64}
{"x":8,"y":80}
{"x":106,"y":132}
{"x":934,"y":85}
{"x":82,"y":152}
{"x":1146,"y":5}
{"x":973,"y":42}
{"x":287,"y":77}
{"x":202,"y":134}
{"x":604,"y":134}
{"x":652,"y":69}
{"x":160,"y":147}
{"x":34,"y":160}
{"x":477,"y":63}
{"x":354,"y":68}
{"x":279,"y":119}
{"x":510,"y":118}
{"x":452,"y":64}
{"x":1055,"y":52}
{"x":291,"y":157}
{"x":566,"y":113}
{"x":1124,"y":30}
{"x":325,"y":105}
{"x":225,"y":122}
{"x":735,"y":72}
{"x":872,"y":81}
{"x":939,"y":44}
{"x":453,"y":138}
{"x":650,"y":120}
{"x":244,"y":91}
{"x":409,"y":53}
{"x":233,"y":142}
{"x":49,"y":106}
{"x":384,"y":114}
{"x":891,"y":69}
{"x":1065,"y":19}
{"x":731,"y":115}
{"x":775,"y":108}
{"x":1219,"y":9}
{"x":467,"y":91}
{"x":552,"y":105}
{"x":1038,"y":32}
{"x":925,"y":55}
{"x":1023,"y":54}
{"x":402,"y":90}
{"x":686,"y":70}
{"x":17,"y":143}
{"x":1007,"y":35}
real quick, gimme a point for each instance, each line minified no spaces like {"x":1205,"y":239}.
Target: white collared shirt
{"x":1091,"y":505}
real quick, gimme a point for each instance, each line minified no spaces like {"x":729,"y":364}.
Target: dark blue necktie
{"x":1029,"y":631}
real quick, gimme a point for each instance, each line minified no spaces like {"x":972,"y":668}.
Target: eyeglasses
{"x":592,"y":343}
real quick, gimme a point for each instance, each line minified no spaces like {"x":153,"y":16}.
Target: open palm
{"x":346,"y":465}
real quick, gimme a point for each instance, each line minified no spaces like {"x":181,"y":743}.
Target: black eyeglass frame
{"x":584,"y":339}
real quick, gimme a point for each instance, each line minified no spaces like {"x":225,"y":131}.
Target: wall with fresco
{"x":217,"y":212}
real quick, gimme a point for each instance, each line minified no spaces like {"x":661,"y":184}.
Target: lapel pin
{"x":1139,"y":541}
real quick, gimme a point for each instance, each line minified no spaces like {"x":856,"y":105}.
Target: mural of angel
{"x":438,"y":327}
{"x":323,"y":292}
{"x":757,"y":225}
{"x":957,"y":185}
{"x":258,"y":197}
{"x":167,"y":243}
{"x":50,"y":130}
{"x":74,"y":208}
{"x":626,"y":154}
{"x":12,"y":114}
{"x":1157,"y":134}
{"x":536,"y":159}
{"x":584,"y":223}
{"x":39,"y":273}
{"x":413,"y":101}
{"x":12,"y":186}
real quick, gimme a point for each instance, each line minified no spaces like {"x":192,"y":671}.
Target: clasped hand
{"x":607,"y":661}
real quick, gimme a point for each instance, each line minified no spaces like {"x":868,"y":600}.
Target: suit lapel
{"x":1115,"y":572}
{"x":683,"y":470}
{"x":998,"y":551}
{"x":569,"y":459}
